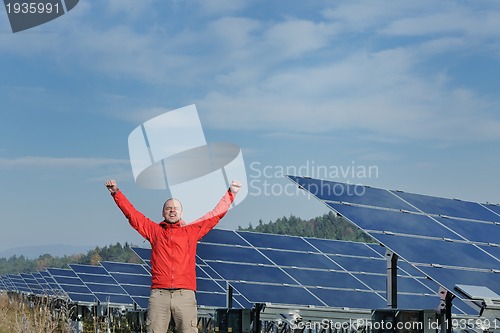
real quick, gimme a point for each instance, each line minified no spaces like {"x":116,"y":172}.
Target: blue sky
{"x":407,"y":89}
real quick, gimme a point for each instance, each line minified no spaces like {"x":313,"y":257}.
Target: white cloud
{"x":217,"y":7}
{"x":383,"y":91}
{"x":129,"y":8}
{"x":358,"y":15}
{"x":461,"y":21}
{"x":59,"y":162}
{"x":294,"y":38}
{"x":380,"y":92}
{"x":296,"y":74}
{"x":234,"y":32}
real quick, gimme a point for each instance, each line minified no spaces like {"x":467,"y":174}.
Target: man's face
{"x":172,"y":211}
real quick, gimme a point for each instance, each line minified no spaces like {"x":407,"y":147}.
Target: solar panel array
{"x":260,"y":268}
{"x":102,"y":285}
{"x":450,"y":241}
{"x":71,"y":286}
{"x":263,"y":268}
{"x":304,"y":271}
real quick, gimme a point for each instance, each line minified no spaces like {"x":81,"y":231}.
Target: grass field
{"x":23,"y":316}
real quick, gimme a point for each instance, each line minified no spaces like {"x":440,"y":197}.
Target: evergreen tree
{"x":329,"y":226}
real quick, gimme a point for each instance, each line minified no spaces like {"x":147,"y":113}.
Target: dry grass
{"x":31,"y":316}
{"x":20,"y":315}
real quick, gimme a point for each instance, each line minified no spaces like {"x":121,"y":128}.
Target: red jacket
{"x":173,"y":246}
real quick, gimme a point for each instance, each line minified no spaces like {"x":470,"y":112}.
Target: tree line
{"x":116,"y":252}
{"x":329,"y":226}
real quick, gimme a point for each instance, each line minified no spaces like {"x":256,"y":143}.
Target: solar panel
{"x":439,"y":252}
{"x":56,"y":289}
{"x":288,"y":243}
{"x":415,"y":285}
{"x":328,"y":246}
{"x":19,"y":283}
{"x":280,"y":294}
{"x":46,"y":289}
{"x":219,"y":236}
{"x":449,"y":207}
{"x":390,"y":221}
{"x":274,"y":263}
{"x":494,"y":250}
{"x":231,"y":254}
{"x":33,"y":284}
{"x":361,"y":195}
{"x":135,"y":280}
{"x":73,"y":286}
{"x":9,"y":284}
{"x":449,"y":241}
{"x":102,"y":285}
{"x":212,"y":288}
{"x":493,"y":208}
{"x":326,"y":278}
{"x":3,"y":284}
{"x":361,"y":265}
{"x":478,"y":232}
{"x":252,"y":273}
{"x":349,"y":298}
{"x":144,"y":254}
{"x":300,"y":259}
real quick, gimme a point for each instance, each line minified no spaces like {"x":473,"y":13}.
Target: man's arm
{"x":210,"y":220}
{"x":137,"y":220}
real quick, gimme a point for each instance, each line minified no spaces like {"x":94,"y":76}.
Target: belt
{"x":169,"y":289}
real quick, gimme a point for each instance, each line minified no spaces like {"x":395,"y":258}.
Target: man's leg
{"x":158,"y":311}
{"x":184,"y":311}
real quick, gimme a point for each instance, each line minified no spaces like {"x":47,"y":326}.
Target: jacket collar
{"x":178,"y":224}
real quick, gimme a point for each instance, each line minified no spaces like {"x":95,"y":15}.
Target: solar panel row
{"x":260,"y":268}
{"x":263,"y":268}
{"x":450,"y":241}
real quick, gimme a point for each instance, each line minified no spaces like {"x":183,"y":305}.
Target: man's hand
{"x":235,"y":186}
{"x":111,"y":186}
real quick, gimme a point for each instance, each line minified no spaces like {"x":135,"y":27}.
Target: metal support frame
{"x":445,"y":308}
{"x":392,"y":279}
{"x":229,"y":295}
{"x":257,"y":324}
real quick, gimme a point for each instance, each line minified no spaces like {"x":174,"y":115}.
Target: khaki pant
{"x":178,"y":304}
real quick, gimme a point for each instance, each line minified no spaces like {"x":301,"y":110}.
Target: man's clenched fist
{"x":235,"y":186}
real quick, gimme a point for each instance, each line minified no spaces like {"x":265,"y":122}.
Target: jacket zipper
{"x":171,"y":259}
